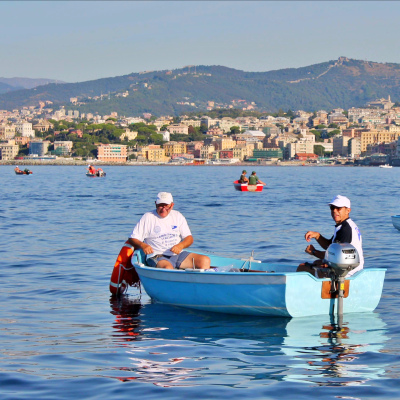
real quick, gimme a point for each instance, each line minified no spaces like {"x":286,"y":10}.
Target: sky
{"x":76,"y":41}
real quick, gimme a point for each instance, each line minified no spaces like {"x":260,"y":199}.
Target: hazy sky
{"x":83,"y":40}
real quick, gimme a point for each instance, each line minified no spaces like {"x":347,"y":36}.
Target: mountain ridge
{"x":337,"y":83}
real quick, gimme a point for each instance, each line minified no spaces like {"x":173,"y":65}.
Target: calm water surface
{"x":62,"y":337}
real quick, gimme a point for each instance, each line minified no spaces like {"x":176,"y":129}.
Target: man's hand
{"x":312,"y":235}
{"x":147,"y":248}
{"x":177,"y":248}
{"x":320,"y":264}
{"x":309,"y":249}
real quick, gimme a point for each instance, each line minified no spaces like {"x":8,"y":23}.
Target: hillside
{"x":11,"y":84}
{"x":341,"y":83}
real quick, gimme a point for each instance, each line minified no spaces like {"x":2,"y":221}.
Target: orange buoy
{"x":124,"y":273}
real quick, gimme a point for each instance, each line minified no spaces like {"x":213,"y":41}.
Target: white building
{"x":166,"y":136}
{"x":299,"y":147}
{"x":25,"y":129}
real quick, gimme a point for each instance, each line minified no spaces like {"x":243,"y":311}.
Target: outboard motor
{"x":341,"y":258}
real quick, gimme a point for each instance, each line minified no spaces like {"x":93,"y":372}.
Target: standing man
{"x":254,"y":179}
{"x":162,"y":234}
{"x":346,"y":231}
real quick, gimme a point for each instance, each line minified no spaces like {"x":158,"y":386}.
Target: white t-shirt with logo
{"x":161,"y":233}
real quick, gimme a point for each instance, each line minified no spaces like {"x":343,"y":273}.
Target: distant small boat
{"x":24,"y":172}
{"x":396,"y":221}
{"x":244,"y":187}
{"x":98,"y":174}
{"x":385,"y":166}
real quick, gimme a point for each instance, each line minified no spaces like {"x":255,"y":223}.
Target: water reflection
{"x":169,"y":346}
{"x":329,"y":356}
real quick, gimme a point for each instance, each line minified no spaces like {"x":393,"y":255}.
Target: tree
{"x":235,"y":130}
{"x":319,"y":150}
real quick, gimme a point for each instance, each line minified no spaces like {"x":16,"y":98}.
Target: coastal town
{"x":361,"y":136}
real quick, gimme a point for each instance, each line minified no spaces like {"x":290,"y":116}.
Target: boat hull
{"x":244,"y":187}
{"x":396,"y":221}
{"x":283,"y":294}
{"x":95,"y":175}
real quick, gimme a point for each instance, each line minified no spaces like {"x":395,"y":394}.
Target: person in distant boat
{"x":243,"y":177}
{"x":163,"y":234}
{"x":100,"y":172}
{"x":17,"y":169}
{"x":91,"y":169}
{"x":27,"y":171}
{"x":346,"y":231}
{"x":254,"y":180}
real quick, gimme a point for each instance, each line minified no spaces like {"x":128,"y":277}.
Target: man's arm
{"x":185,"y":243}
{"x":322,"y":241}
{"x":147,"y":249}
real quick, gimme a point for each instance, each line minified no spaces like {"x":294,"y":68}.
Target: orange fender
{"x":124,"y":273}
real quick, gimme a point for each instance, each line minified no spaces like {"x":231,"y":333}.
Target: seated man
{"x":162,"y":234}
{"x":243,"y":178}
{"x":91,"y":169}
{"x":254,"y":179}
{"x":346,"y":231}
{"x":17,"y":169}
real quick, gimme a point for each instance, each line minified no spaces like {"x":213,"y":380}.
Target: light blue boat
{"x":396,"y":221}
{"x":277,"y":290}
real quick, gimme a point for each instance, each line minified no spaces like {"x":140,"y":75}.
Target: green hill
{"x":342,"y":83}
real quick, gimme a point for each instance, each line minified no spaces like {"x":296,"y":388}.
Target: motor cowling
{"x":342,"y":258}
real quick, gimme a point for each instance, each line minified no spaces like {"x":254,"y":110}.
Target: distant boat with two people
{"x":26,"y":171}
{"x":93,"y":172}
{"x":251,"y":184}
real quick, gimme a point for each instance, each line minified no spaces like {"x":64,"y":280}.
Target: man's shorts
{"x":176,"y":260}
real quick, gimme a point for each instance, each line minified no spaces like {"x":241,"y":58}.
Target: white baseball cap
{"x":164,"y":198}
{"x":340,"y":201}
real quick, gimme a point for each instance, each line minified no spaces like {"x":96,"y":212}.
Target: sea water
{"x":63,"y":337}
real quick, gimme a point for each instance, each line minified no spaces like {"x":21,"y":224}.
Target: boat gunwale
{"x":235,"y":273}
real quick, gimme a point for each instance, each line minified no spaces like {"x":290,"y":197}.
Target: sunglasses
{"x":335,"y":208}
{"x":163,"y":206}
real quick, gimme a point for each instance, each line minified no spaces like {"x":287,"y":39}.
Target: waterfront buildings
{"x":112,"y":153}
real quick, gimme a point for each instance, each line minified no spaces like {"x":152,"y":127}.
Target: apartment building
{"x":7,"y":131}
{"x":242,"y":152}
{"x":225,"y":124}
{"x":178,"y":128}
{"x":354,"y":147}
{"x":112,"y":152}
{"x":340,"y":146}
{"x":191,"y":122}
{"x":174,"y":148}
{"x":371,"y":137}
{"x":154,"y":153}
{"x":206,"y":151}
{"x":8,"y":150}
{"x":224,"y":143}
{"x":63,"y":148}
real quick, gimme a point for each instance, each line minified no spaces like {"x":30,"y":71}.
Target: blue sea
{"x":63,"y":337}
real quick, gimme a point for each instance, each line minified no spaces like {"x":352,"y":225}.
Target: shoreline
{"x":11,"y":163}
